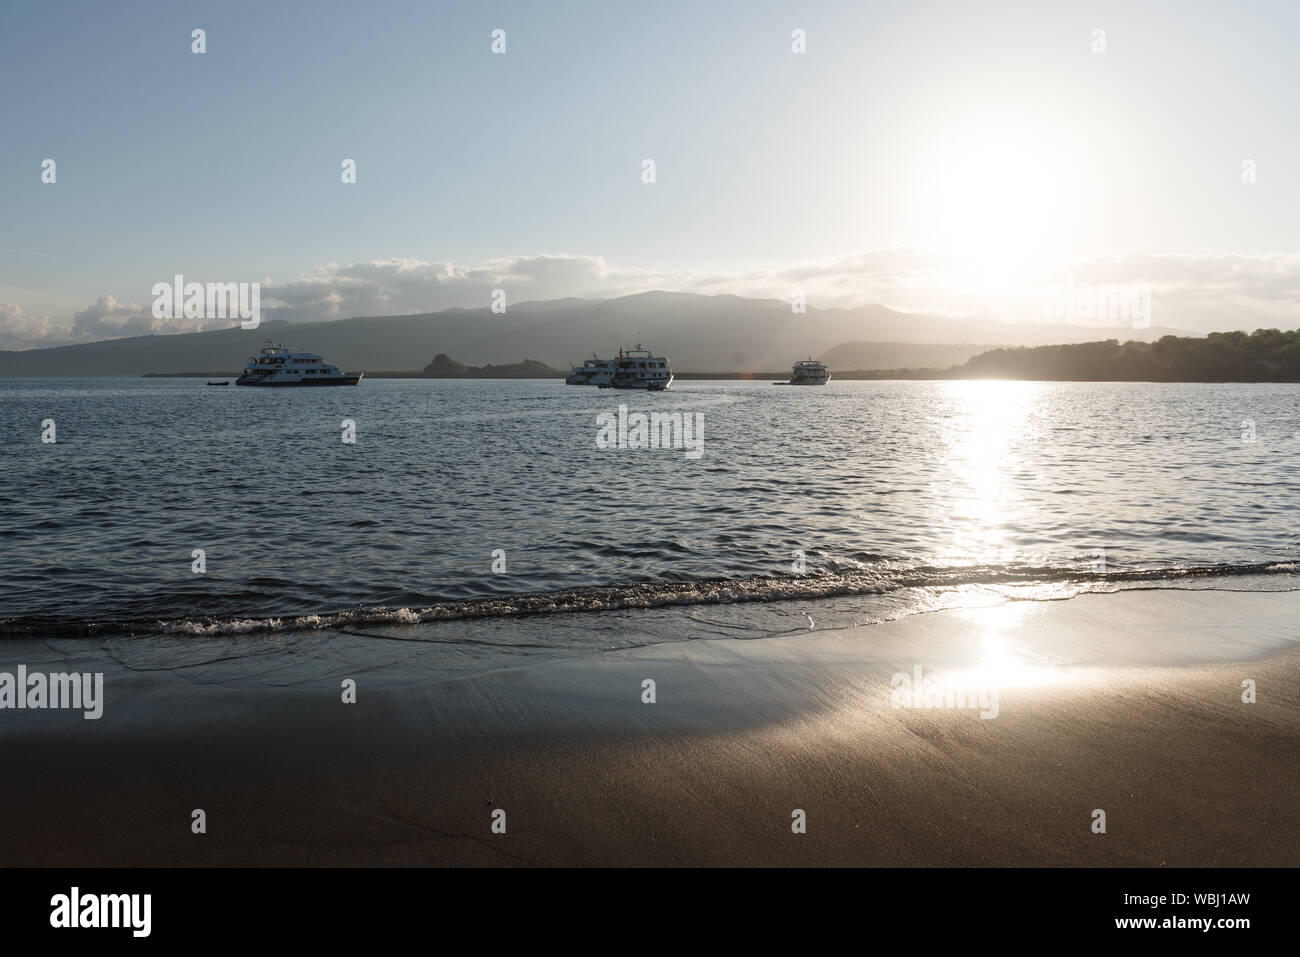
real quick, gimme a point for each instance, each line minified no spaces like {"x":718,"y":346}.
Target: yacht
{"x":809,"y":372}
{"x":276,"y":365}
{"x":638,"y":369}
{"x":593,"y":371}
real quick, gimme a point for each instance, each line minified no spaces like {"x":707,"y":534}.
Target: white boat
{"x":809,"y":372}
{"x":638,"y":369}
{"x":277,"y":366}
{"x":593,"y":371}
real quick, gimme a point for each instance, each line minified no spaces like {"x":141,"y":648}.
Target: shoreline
{"x":1128,"y":702}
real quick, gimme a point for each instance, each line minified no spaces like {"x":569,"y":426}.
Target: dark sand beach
{"x":1130,"y":703}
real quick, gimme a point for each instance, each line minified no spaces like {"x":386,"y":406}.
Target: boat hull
{"x":645,"y":385}
{"x":260,"y":382}
{"x":600,"y":379}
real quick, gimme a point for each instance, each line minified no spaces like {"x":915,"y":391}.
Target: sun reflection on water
{"x":985,"y":433}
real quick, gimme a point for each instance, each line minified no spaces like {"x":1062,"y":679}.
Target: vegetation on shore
{"x":1265,"y":355}
{"x":1262,"y":355}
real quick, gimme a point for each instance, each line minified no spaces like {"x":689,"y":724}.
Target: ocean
{"x":485,"y":513}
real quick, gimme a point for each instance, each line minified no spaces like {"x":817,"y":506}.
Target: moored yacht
{"x":809,"y":372}
{"x":275,"y":365}
{"x":593,"y":371}
{"x":638,"y":369}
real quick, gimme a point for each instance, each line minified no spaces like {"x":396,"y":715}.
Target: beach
{"x":1130,"y":703}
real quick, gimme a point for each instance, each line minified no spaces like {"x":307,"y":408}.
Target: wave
{"x":603,"y":598}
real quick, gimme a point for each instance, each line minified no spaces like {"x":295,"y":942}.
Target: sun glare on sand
{"x":1002,"y":658}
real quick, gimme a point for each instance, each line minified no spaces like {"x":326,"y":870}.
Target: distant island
{"x":444,"y":367}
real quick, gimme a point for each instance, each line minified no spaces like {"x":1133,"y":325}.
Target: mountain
{"x":697,"y":333}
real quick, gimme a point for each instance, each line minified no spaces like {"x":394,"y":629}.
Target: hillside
{"x":1265,"y":355}
{"x":697,"y":333}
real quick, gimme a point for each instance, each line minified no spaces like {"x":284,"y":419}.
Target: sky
{"x":953,"y":158}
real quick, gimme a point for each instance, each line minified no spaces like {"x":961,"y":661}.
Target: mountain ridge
{"x":722,"y":333}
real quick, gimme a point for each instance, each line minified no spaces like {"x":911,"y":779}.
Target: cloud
{"x":897,"y":277}
{"x":21,"y":331}
{"x":1266,"y":278}
{"x":1190,"y":292}
{"x":903,"y":278}
{"x":405,"y":286}
{"x":107,"y":318}
{"x":1207,"y":292}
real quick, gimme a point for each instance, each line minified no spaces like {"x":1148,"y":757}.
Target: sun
{"x":1000,"y":193}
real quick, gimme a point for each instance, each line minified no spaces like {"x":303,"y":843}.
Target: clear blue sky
{"x":226,"y":165}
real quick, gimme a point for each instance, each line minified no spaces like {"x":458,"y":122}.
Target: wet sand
{"x":1129,"y":703}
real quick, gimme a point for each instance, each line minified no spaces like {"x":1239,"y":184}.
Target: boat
{"x":808,"y":372}
{"x":593,"y":371}
{"x":639,"y":369}
{"x":277,"y":366}
{"x":227,"y":382}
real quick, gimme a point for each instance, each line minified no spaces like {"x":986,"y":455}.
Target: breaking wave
{"x":717,"y":591}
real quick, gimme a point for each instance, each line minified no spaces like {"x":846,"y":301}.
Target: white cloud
{"x":1208,"y":292}
{"x":1268,"y":278}
{"x":1190,"y":292}
{"x":898,"y":277}
{"x":107,"y":318}
{"x":21,"y":331}
{"x":404,"y":286}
